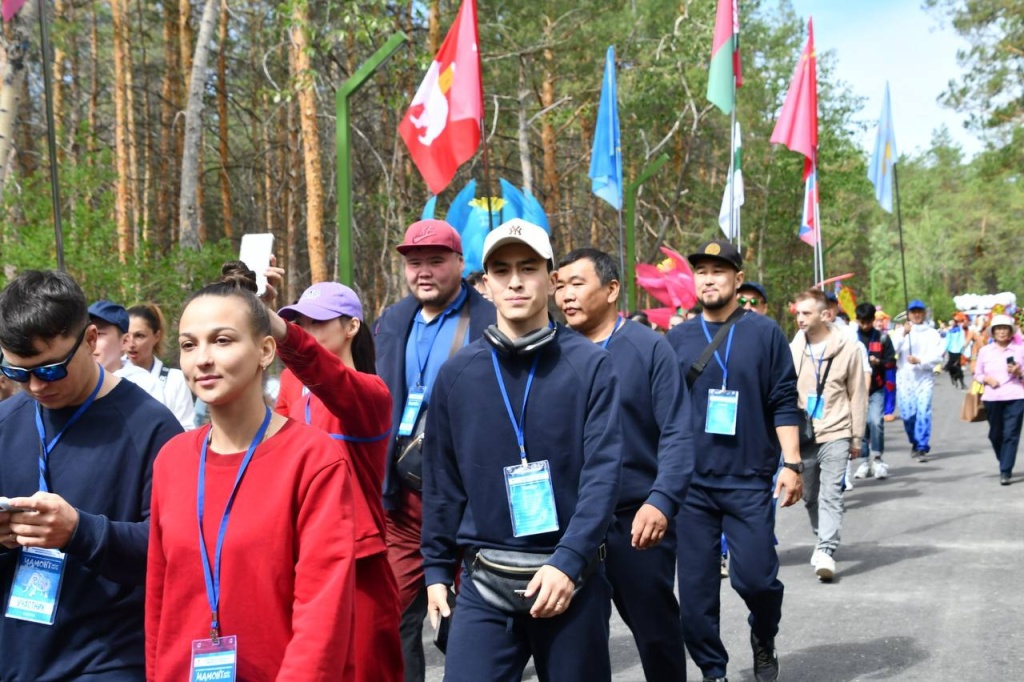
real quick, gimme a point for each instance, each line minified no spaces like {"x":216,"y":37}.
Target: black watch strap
{"x":798,"y":467}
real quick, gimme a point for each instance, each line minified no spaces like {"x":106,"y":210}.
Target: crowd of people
{"x":505,"y":459}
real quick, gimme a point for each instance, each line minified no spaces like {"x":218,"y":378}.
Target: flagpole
{"x":899,"y":223}
{"x":818,"y":245}
{"x":51,"y":135}
{"x":731,"y":180}
{"x":624,"y":299}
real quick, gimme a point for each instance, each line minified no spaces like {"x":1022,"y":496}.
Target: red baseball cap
{"x":431,"y":234}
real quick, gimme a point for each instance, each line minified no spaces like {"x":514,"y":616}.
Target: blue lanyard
{"x":342,"y":437}
{"x":618,"y":323}
{"x":817,"y":363}
{"x":213,"y":578}
{"x":44,"y":448}
{"x":728,"y":349}
{"x":517,"y":424}
{"x":420,"y":362}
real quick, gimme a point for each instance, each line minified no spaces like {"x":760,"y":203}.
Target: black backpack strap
{"x":697,"y":367}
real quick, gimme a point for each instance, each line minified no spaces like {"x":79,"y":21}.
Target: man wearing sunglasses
{"x":77,"y":448}
{"x":752,"y":296}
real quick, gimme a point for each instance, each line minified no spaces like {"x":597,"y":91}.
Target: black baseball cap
{"x":755,"y":287}
{"x":717,"y":249}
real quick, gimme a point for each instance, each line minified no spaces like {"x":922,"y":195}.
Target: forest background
{"x":261,"y":158}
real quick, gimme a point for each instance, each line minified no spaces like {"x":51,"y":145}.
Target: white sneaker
{"x":865,"y":470}
{"x":880,"y":469}
{"x":824,"y":566}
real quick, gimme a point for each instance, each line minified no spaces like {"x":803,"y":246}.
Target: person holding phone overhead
{"x":331,"y":383}
{"x":999,"y":368}
{"x":251,"y":551}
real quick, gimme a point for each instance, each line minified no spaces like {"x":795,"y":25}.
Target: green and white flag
{"x":735,"y":180}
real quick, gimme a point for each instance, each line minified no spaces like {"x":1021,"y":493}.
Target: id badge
{"x":214,"y":660}
{"x":722,"y":408}
{"x":36,"y":585}
{"x":531,"y":499}
{"x":411,"y":411}
{"x":815,"y":406}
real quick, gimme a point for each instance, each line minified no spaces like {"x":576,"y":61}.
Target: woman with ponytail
{"x":330,"y":383}
{"x":251,"y":548}
{"x":147,"y":340}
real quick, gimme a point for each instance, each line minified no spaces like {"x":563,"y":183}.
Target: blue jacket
{"x":572,"y":421}
{"x":390,"y":335}
{"x":103,"y":467}
{"x":761,"y":369}
{"x":657,"y":434}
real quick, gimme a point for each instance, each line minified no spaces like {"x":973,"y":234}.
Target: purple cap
{"x":325,"y":301}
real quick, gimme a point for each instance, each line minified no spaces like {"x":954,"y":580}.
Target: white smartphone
{"x":255,"y":253}
{"x":5,"y":506}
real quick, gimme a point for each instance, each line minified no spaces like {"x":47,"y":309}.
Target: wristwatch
{"x":798,"y":467}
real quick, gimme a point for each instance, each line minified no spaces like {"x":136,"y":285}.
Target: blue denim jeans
{"x":874,"y":432}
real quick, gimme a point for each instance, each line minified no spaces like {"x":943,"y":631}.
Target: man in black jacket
{"x":882,"y":357}
{"x":414,"y":337}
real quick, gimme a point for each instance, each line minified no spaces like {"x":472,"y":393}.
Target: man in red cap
{"x":414,"y":337}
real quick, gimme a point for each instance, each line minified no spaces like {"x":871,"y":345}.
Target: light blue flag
{"x":606,"y":156}
{"x":883,"y":158}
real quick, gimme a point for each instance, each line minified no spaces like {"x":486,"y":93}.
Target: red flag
{"x":442,"y":127}
{"x":11,"y":7}
{"x":670,"y":282}
{"x":797,"y":127}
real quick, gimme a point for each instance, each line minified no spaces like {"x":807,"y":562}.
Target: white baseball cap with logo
{"x":518,"y":231}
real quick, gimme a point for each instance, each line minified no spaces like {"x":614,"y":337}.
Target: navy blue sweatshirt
{"x":657,"y":436}
{"x":391,"y":332}
{"x":102,"y":467}
{"x":761,"y":369}
{"x":572,"y":421}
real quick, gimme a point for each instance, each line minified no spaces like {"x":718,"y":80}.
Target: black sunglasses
{"x":755,"y":301}
{"x":47,"y":373}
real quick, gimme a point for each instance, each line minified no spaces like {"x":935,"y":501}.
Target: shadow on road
{"x":877,"y":659}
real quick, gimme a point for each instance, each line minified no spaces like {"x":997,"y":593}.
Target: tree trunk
{"x":552,"y":195}
{"x":12,"y":78}
{"x":170,"y":105}
{"x":188,"y":207}
{"x":135,"y":204}
{"x":222,"y":116}
{"x":524,"y":131}
{"x":292,"y":195}
{"x":434,"y":26}
{"x":122,"y":200}
{"x":94,"y":77}
{"x":147,"y":138}
{"x":305,"y":85}
{"x":59,"y":57}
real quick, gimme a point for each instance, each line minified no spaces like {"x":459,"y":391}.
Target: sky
{"x":898,"y":41}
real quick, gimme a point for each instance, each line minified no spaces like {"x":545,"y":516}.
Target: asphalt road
{"x":930,"y":582}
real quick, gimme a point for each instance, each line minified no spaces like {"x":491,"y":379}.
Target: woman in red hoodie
{"x":251,"y":566}
{"x":330,"y":383}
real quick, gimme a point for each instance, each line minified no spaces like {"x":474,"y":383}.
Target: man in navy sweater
{"x":414,"y":337}
{"x":657,"y":460}
{"x":522,"y":454}
{"x":78,"y":446}
{"x":744,"y":408}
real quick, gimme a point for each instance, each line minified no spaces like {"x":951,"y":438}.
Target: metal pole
{"x":51,"y":134}
{"x":731,"y":182}
{"x":343,"y":143}
{"x":487,"y":175}
{"x":903,"y":261}
{"x":631,"y":190}
{"x":623,"y":300}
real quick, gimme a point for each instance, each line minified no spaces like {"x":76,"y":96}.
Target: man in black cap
{"x":739,"y":369}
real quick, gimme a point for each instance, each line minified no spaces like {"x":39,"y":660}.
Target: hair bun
{"x":238,"y":274}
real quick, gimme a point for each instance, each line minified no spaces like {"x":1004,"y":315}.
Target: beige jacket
{"x":846,"y":397}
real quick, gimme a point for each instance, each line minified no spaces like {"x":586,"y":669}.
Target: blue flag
{"x":883,"y":158}
{"x":606,"y":156}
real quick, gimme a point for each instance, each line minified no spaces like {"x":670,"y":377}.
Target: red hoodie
{"x":364,"y":405}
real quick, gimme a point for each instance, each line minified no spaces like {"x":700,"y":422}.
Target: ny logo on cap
{"x":515,"y":231}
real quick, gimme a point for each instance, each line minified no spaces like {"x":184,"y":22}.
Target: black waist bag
{"x":501,"y":576}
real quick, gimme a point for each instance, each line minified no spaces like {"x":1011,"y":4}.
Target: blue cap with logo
{"x":917,"y":304}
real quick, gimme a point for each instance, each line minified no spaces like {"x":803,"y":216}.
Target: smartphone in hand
{"x":444,"y":624}
{"x":5,"y":506}
{"x":255,"y":252}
